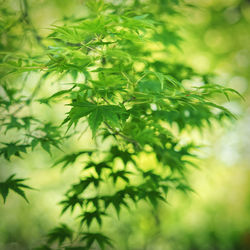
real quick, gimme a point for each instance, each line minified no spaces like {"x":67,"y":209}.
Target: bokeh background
{"x":216,"y":38}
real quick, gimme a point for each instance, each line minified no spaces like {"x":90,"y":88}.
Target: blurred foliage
{"x":212,"y":37}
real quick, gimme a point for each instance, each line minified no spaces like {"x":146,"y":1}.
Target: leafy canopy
{"x":123,"y":92}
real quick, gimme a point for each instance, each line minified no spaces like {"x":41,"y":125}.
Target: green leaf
{"x":15,"y":185}
{"x":101,"y":239}
{"x":79,"y":110}
{"x":71,"y":158}
{"x":125,"y":156}
{"x":184,"y":188}
{"x":84,"y":183}
{"x":95,"y":120}
{"x":13,"y":149}
{"x":89,"y":217}
{"x":99,"y":167}
{"x":117,"y":200}
{"x":122,"y":174}
{"x":149,"y":86}
{"x":57,"y":94}
{"x":125,"y":86}
{"x":71,"y":202}
{"x":60,"y":234}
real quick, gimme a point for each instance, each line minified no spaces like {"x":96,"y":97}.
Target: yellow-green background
{"x":217,"y":217}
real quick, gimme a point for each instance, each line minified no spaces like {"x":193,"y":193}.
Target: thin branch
{"x":127,"y":78}
{"x":134,"y":142}
{"x":140,"y":78}
{"x":128,"y":100}
{"x":105,"y":100}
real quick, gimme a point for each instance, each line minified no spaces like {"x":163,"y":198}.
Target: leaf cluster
{"x":137,"y":103}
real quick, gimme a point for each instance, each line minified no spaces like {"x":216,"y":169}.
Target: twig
{"x":134,"y":142}
{"x":140,"y":78}
{"x":127,"y":78}
{"x":130,"y":99}
{"x":105,"y":100}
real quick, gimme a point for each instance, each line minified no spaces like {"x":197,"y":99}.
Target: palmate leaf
{"x":159,"y":183}
{"x":184,"y":187}
{"x":152,"y":176}
{"x":117,"y":200}
{"x":121,"y":174}
{"x":154,"y":196}
{"x":145,"y":191}
{"x":70,"y":202}
{"x":127,"y":95}
{"x":99,"y":238}
{"x":125,"y":156}
{"x":60,"y":234}
{"x":148,"y":193}
{"x":89,"y":217}
{"x":49,"y":136}
{"x":45,"y":142}
{"x":110,"y":114}
{"x":57,"y":94}
{"x":97,"y":115}
{"x":78,"y":111}
{"x":95,"y":120}
{"x":13,"y":123}
{"x":71,"y":158}
{"x":168,"y":38}
{"x":94,"y":202}
{"x":13,"y":149}
{"x":99,"y":167}
{"x":15,"y":185}
{"x":84,"y":183}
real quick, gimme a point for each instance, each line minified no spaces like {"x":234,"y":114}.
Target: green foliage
{"x":125,"y":95}
{"x":15,"y":185}
{"x":13,"y":148}
{"x":61,"y":233}
{"x":70,"y":159}
{"x":101,"y":239}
